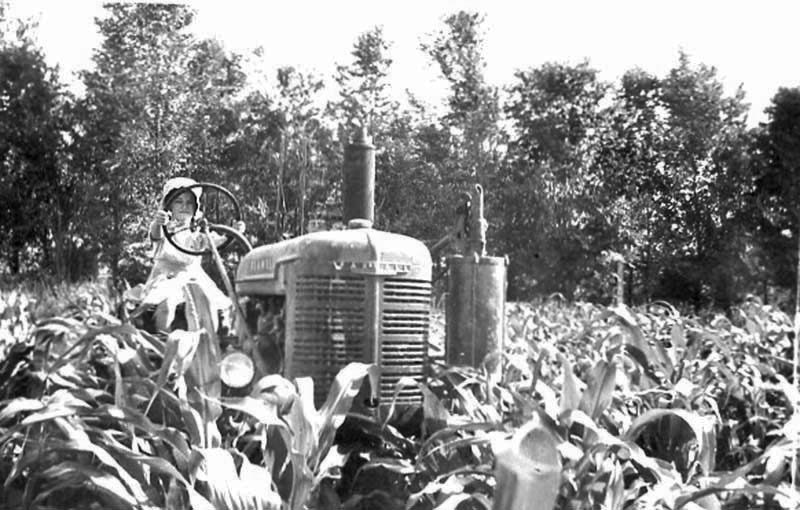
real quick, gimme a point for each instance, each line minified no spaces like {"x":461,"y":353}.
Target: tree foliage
{"x":302,"y":153}
{"x":657,"y":174}
{"x":651,"y":172}
{"x":776,"y":172}
{"x":551,"y":226}
{"x":697,"y":184}
{"x":473,"y":113}
{"x":364,"y":100}
{"x":135,"y":119}
{"x":36,"y":210}
{"x":462,"y":146}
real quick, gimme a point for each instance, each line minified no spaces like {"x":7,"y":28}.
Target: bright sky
{"x":753,"y":43}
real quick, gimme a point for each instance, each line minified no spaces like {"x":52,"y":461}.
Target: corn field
{"x":629,"y":408}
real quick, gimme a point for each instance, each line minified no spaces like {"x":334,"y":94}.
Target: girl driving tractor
{"x":162,"y":301}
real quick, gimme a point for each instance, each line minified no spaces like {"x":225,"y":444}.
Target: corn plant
{"x":96,"y":415}
{"x":621,"y":409}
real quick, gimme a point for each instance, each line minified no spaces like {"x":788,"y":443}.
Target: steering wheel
{"x":215,"y":202}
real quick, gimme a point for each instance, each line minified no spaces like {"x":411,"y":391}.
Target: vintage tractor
{"x":312,"y":304}
{"x":332,"y":297}
{"x":362,"y":294}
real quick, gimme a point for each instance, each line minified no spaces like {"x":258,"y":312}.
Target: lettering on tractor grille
{"x":329,"y":328}
{"x":405,"y":323}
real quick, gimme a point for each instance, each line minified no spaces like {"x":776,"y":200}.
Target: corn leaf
{"x":658,"y":355}
{"x":263,"y":411}
{"x":230,"y":490}
{"x":600,"y":389}
{"x":159,"y":466}
{"x":570,"y":392}
{"x":345,"y":387}
{"x":400,"y":385}
{"x":740,"y":487}
{"x":19,"y":405}
{"x":701,"y":427}
{"x":68,"y":474}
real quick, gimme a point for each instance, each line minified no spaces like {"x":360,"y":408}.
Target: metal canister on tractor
{"x":476,"y":291}
{"x":475,"y":308}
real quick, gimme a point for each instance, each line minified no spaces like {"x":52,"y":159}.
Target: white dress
{"x":172,"y":269}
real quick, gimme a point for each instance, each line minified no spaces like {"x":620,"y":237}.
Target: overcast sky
{"x":754,"y":44}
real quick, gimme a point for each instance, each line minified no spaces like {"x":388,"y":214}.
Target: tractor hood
{"x":337,"y":253}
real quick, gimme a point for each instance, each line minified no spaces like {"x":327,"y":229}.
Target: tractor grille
{"x":404,"y":328}
{"x":329,"y":328}
{"x":331,"y":331}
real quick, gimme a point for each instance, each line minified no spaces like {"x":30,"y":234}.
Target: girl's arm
{"x":159,"y":219}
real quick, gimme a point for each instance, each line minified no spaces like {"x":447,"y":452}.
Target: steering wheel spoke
{"x":177,"y":230}
{"x":230,"y":233}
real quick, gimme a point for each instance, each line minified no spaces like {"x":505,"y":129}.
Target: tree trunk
{"x":279,"y":199}
{"x":304,"y":161}
{"x":116,"y":243}
{"x":796,"y":343}
{"x":629,"y":285}
{"x":15,"y":260}
{"x":59,"y":252}
{"x":797,"y":285}
{"x":646,"y":266}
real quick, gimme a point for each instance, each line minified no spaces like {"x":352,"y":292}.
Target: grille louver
{"x":329,"y":328}
{"x":404,"y":328}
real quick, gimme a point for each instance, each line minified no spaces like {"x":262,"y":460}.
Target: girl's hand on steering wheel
{"x":239,"y":226}
{"x":161,"y":218}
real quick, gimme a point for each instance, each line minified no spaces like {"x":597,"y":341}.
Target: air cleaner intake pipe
{"x":358,"y":180}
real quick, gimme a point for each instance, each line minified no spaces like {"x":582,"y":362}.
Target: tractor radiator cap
{"x":357,"y":223}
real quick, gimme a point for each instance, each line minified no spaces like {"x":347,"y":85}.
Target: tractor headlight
{"x":236,"y":370}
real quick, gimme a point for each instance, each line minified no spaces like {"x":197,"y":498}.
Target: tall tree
{"x":301,"y":155}
{"x":473,"y":109}
{"x":366,"y":101}
{"x":777,"y":173}
{"x":459,"y":147}
{"x":551,"y":226}
{"x":158,"y":103}
{"x":133,"y":134}
{"x":35,"y":195}
{"x":673,"y":163}
{"x":209,"y":124}
{"x":704,"y":157}
{"x":630,"y":143}
{"x":364,"y":96}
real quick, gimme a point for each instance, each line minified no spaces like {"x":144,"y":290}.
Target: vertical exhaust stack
{"x":358,"y":181}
